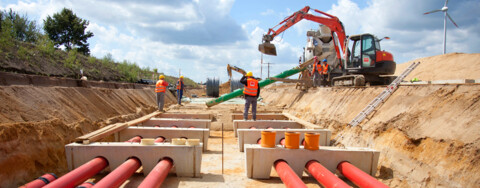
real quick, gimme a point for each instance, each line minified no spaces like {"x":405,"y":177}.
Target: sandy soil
{"x":37,"y":122}
{"x":444,"y":67}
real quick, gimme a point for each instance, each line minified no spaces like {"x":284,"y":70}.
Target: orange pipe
{"x":120,"y":174}
{"x":80,"y":174}
{"x":41,"y":181}
{"x":268,"y":139}
{"x":357,"y":176}
{"x":287,"y":175}
{"x":292,"y":140}
{"x":324,"y":176}
{"x":156,"y":177}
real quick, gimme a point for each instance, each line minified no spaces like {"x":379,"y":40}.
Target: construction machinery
{"x":234,"y":68}
{"x":364,"y":64}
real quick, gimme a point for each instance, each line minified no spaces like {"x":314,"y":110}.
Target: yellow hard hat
{"x":161,"y":77}
{"x":181,"y":76}
{"x":249,"y":74}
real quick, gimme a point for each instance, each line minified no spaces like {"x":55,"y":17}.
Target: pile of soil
{"x":37,"y":122}
{"x":427,"y":135}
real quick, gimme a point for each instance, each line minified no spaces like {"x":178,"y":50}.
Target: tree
{"x":22,"y":29}
{"x":65,"y":28}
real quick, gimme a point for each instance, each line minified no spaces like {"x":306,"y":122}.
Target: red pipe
{"x":86,"y":185}
{"x":135,"y":139}
{"x":282,"y":141}
{"x":120,"y":174}
{"x":323,"y":175}
{"x":159,"y":139}
{"x":252,"y":127}
{"x":287,"y":175}
{"x":80,"y":174}
{"x":41,"y":181}
{"x":174,"y":126}
{"x":269,"y":128}
{"x":157,"y":125}
{"x":156,"y":177}
{"x":357,"y":176}
{"x":259,"y":141}
{"x":192,"y":127}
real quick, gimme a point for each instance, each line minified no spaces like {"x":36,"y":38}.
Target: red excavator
{"x":367,"y":64}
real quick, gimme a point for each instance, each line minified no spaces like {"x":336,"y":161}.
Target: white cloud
{"x":267,"y":12}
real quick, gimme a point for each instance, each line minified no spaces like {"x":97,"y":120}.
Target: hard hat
{"x":161,"y":77}
{"x":324,"y":60}
{"x":181,"y":76}
{"x":249,"y":74}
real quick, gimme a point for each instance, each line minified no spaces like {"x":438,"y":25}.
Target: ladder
{"x":382,"y":96}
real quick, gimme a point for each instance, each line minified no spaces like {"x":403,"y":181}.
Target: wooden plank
{"x":110,"y":129}
{"x":306,"y":124}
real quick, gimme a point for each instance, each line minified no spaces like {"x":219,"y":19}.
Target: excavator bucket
{"x":267,"y":48}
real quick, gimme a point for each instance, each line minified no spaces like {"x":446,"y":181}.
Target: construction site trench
{"x":427,"y":135}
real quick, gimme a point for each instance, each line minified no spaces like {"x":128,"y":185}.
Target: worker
{"x":325,"y":70}
{"x":160,"y":89}
{"x":317,"y":67}
{"x":180,"y":88}
{"x":251,"y":92}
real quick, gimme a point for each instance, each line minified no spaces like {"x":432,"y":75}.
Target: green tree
{"x":65,"y":28}
{"x":22,"y":28}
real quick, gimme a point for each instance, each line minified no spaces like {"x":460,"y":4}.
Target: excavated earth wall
{"x":39,"y":115}
{"x":428,"y":135}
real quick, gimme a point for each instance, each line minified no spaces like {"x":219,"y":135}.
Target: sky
{"x":199,"y":38}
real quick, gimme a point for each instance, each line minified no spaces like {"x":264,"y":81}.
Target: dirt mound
{"x":37,"y":122}
{"x":444,"y":67}
{"x":427,"y":135}
{"x":224,"y":88}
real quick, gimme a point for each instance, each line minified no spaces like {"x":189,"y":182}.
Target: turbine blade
{"x":446,"y":2}
{"x":432,"y":11}
{"x":448,"y":15}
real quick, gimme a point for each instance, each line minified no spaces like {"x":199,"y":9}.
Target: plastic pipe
{"x":120,"y":174}
{"x":357,"y":176}
{"x":282,"y":141}
{"x":156,"y":177}
{"x":269,"y":128}
{"x":41,"y":181}
{"x":174,"y":126}
{"x":159,"y":139}
{"x":135,"y":139}
{"x":86,"y":185}
{"x":324,"y":176}
{"x":252,"y":127}
{"x":80,"y":174}
{"x":287,"y":175}
{"x":261,"y":84}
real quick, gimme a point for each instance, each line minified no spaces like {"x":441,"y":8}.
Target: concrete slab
{"x":259,"y":161}
{"x":266,"y":116}
{"x":415,"y":83}
{"x":460,"y":81}
{"x":168,"y":133}
{"x":263,"y":124}
{"x":185,"y":116}
{"x":251,"y":136}
{"x":187,"y":159}
{"x":168,"y":122}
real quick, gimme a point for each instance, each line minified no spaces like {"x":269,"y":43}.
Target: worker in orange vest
{"x":251,"y":92}
{"x":160,"y":89}
{"x":180,"y":88}
{"x":315,"y":73}
{"x":324,"y":73}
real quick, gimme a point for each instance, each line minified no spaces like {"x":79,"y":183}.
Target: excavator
{"x":235,"y":68}
{"x":365,"y":64}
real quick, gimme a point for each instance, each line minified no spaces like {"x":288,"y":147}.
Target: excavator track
{"x":349,"y":80}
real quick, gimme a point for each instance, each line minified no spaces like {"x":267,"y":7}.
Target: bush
{"x":71,"y":61}
{"x":45,"y":45}
{"x":23,"y":53}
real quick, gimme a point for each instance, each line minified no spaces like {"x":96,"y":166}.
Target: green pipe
{"x":261,"y":84}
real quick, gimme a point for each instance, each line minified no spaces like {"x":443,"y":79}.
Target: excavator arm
{"x":328,"y":20}
{"x":235,"y":68}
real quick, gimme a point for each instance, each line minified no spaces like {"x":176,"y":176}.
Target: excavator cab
{"x":364,"y":51}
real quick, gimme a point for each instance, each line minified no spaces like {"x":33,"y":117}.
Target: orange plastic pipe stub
{"x":312,"y":141}
{"x":268,"y":139}
{"x":292,"y":140}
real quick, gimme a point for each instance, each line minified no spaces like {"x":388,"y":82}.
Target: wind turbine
{"x":444,"y":10}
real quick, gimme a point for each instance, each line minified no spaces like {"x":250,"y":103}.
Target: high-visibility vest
{"x":160,"y":87}
{"x":325,"y":68}
{"x":179,"y":84}
{"x":251,"y":88}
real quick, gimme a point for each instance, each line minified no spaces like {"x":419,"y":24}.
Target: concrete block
{"x":185,"y":116}
{"x":187,"y":159}
{"x":251,"y":136}
{"x":268,"y":116}
{"x":415,"y":83}
{"x":168,"y":133}
{"x":477,"y":81}
{"x":263,"y":124}
{"x":460,"y":81}
{"x":168,"y":122}
{"x":259,"y":161}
